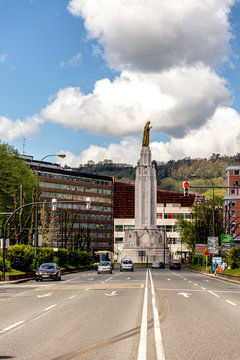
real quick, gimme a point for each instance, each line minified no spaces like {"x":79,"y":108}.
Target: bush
{"x":80,"y":258}
{"x":234,"y":257}
{"x":44,"y":255}
{"x":63,"y":257}
{"x":21,"y":257}
{"x":7,"y":265}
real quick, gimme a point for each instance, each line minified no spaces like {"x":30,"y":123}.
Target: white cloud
{"x":175,"y":101}
{"x":157,"y":34}
{"x":10,"y":130}
{"x":3,"y":58}
{"x":74,"y":61}
{"x":221,"y":134}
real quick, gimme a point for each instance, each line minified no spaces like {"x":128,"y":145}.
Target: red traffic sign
{"x":207,"y":253}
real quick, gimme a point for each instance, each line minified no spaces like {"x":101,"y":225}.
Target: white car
{"x":126,"y":264}
{"x":104,"y":266}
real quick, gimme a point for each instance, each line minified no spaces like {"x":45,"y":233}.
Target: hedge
{"x":22,"y":257}
{"x":234,"y":257}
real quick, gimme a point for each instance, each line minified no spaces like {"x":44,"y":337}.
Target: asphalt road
{"x":144,"y":315}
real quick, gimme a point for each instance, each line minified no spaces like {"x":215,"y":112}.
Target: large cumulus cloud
{"x":157,"y":34}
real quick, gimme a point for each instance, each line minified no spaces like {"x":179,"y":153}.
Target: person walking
{"x":215,"y":267}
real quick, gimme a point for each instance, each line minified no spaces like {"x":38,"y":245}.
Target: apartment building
{"x":84,"y":204}
{"x":231,"y":202}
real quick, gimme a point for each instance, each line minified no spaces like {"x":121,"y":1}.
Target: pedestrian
{"x":215,"y":267}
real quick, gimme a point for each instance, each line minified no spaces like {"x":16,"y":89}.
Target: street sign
{"x":213,"y":244}
{"x":207,"y":253}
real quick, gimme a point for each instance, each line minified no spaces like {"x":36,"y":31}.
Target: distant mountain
{"x":170,"y":175}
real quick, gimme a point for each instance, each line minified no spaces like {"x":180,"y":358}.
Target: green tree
{"x":14,"y":174}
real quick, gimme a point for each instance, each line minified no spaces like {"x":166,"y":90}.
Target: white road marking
{"x":71,"y":297}
{"x":113,"y":293}
{"x":189,"y":281}
{"x":50,"y":307}
{"x":142,"y":348}
{"x":195,"y":284}
{"x":186,"y":295}
{"x":86,"y":289}
{"x":109,"y":278}
{"x":12,"y":326}
{"x":91,"y":279}
{"x":203,"y":288}
{"x":48,"y":294}
{"x":213,"y":293}
{"x":230,"y":302}
{"x":157,"y":330}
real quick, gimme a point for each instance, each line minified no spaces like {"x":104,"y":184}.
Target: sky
{"x":82,"y":78}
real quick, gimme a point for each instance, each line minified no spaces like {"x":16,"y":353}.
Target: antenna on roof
{"x":24,"y":139}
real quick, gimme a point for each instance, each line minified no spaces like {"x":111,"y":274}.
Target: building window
{"x":118,"y":239}
{"x":236,"y":183}
{"x":236,"y":172}
{"x":233,"y":191}
{"x":118,"y":227}
{"x":128,"y":227}
{"x":233,"y":203}
{"x":233,"y":213}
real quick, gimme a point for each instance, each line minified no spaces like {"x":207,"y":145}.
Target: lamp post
{"x":37,"y":190}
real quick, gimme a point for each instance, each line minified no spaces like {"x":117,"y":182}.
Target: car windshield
{"x":127,"y":262}
{"x":104,"y":263}
{"x":47,"y":267}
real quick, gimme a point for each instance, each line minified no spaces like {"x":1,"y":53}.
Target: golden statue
{"x":146,"y":132}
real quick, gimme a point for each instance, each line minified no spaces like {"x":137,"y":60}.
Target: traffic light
{"x":186,"y":185}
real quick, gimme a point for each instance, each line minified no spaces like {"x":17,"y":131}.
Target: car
{"x":126,"y":264}
{"x":158,"y":265}
{"x":175,"y":264}
{"x":48,"y":271}
{"x":104,"y":266}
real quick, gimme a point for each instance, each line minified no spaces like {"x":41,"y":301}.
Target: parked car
{"x":174,"y":264}
{"x":48,"y":271}
{"x":104,"y":266}
{"x":126,"y":264}
{"x":158,"y":265}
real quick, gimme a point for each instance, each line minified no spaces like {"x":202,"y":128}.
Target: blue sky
{"x":82,"y":77}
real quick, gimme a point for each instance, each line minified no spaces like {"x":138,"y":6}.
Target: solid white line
{"x":50,"y":307}
{"x":157,"y":330}
{"x":213,"y":293}
{"x":142,"y":348}
{"x":230,"y":302}
{"x":12,"y":326}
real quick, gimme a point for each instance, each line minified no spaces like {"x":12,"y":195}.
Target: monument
{"x":146,"y":241}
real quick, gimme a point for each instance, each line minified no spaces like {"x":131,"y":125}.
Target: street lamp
{"x":37,"y":190}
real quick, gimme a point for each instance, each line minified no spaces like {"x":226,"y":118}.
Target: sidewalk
{"x":225,"y":277}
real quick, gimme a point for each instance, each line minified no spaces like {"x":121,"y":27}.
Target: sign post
{"x":206,"y":254}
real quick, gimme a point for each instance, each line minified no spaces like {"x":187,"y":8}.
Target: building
{"x":170,"y":205}
{"x":231,"y":202}
{"x":84,"y":205}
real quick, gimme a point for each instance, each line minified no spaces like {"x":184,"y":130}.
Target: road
{"x":144,"y":315}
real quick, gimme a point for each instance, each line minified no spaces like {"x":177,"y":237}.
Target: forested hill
{"x":170,"y":175}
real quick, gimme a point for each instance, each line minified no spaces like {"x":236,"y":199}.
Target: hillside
{"x":171,"y":175}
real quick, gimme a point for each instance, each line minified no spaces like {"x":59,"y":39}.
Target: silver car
{"x":126,"y":264}
{"x":104,"y":266}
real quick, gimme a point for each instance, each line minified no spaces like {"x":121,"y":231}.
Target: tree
{"x":14,"y":174}
{"x":197,"y":230}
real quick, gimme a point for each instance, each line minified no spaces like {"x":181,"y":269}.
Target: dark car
{"x":174,"y":265}
{"x":48,"y":271}
{"x":158,"y":265}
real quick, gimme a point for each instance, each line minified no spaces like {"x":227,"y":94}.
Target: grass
{"x":232,"y":271}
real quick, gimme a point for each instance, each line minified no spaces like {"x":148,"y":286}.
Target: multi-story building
{"x":84,"y":204}
{"x":170,"y":205}
{"x":231,"y":202}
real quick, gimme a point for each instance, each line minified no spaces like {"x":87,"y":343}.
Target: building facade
{"x":84,"y":205}
{"x":169,"y":206}
{"x":231,"y":202}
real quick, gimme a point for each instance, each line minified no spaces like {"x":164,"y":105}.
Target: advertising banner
{"x":213,"y":244}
